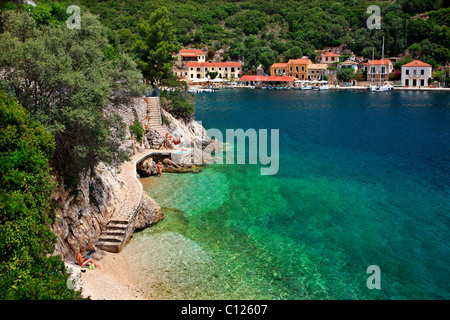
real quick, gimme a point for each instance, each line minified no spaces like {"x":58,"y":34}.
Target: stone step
{"x":110,"y":238}
{"x":108,"y":246}
{"x":118,"y":222}
{"x":114,"y":232}
{"x":116,"y":227}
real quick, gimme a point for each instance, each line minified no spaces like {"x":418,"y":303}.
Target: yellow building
{"x":278,"y":69}
{"x":298,"y":68}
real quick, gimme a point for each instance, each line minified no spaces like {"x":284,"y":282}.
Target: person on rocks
{"x":160,"y":167}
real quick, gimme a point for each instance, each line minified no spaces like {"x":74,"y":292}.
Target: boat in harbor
{"x":386,"y":86}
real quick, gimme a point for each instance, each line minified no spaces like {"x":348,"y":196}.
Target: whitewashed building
{"x":416,"y":74}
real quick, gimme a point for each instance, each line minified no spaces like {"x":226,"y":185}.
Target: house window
{"x":407,"y":71}
{"x":198,"y":75}
{"x":290,"y":68}
{"x":198,"y":69}
{"x":422,"y":72}
{"x":192,"y":75}
{"x":296,"y":68}
{"x":220,"y":69}
{"x":414,"y":71}
{"x":192,"y":69}
{"x":303,"y":68}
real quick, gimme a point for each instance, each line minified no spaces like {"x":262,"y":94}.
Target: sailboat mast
{"x":382,"y":60}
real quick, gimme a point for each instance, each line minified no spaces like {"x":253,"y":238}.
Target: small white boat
{"x":307,"y":88}
{"x":252,"y":87}
{"x":324,"y":87}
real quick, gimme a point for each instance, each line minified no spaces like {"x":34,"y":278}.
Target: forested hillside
{"x":268,"y":31}
{"x":264,"y":31}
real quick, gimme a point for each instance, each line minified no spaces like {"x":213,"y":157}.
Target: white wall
{"x":418,"y":76}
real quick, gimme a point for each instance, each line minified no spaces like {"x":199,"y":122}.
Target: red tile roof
{"x":330,"y":54}
{"x":416,"y":63}
{"x":193,"y":64}
{"x":227,"y":64}
{"x":378,"y":62}
{"x":191,"y":52}
{"x":299,"y":61}
{"x":213,"y":64}
{"x":279,"y":65}
{"x":266,"y":78}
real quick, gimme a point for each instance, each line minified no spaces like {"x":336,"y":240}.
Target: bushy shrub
{"x":27,"y":269}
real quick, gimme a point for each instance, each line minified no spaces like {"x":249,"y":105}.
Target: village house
{"x":298,"y":68}
{"x":348,"y":64}
{"x":183,"y":57}
{"x":416,"y":74}
{"x":328,"y":58}
{"x":378,"y":70}
{"x":316,"y":71}
{"x":278,"y":69}
{"x":225,"y":70}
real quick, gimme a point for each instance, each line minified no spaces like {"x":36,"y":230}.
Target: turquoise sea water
{"x":363,"y":180}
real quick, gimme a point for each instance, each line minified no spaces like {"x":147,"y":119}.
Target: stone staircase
{"x":113,"y":238}
{"x":121,"y":226}
{"x":154,"y":112}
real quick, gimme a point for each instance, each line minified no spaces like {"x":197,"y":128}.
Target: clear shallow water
{"x":363,"y":180}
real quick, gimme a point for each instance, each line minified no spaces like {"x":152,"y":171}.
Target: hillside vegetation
{"x":267,"y":31}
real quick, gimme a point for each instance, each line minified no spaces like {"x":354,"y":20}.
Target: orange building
{"x":278,"y":69}
{"x":298,"y":68}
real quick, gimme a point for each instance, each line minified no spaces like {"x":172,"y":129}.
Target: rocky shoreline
{"x":82,"y":214}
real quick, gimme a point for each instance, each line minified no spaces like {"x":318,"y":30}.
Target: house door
{"x":414,"y":82}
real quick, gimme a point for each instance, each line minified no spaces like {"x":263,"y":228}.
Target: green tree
{"x":27,"y":268}
{"x":65,"y":78}
{"x":345,"y":74}
{"x":156,"y":47}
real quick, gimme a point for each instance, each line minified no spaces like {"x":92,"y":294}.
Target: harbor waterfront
{"x":363,"y":180}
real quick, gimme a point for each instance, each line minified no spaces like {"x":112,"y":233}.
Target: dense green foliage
{"x":26,"y":241}
{"x":137,"y":130}
{"x":155,"y":47}
{"x":345,"y":74}
{"x":265,"y":31}
{"x":66,"y":78}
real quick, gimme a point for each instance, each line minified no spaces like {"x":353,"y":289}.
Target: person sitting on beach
{"x":159,"y":165}
{"x":84,"y":261}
